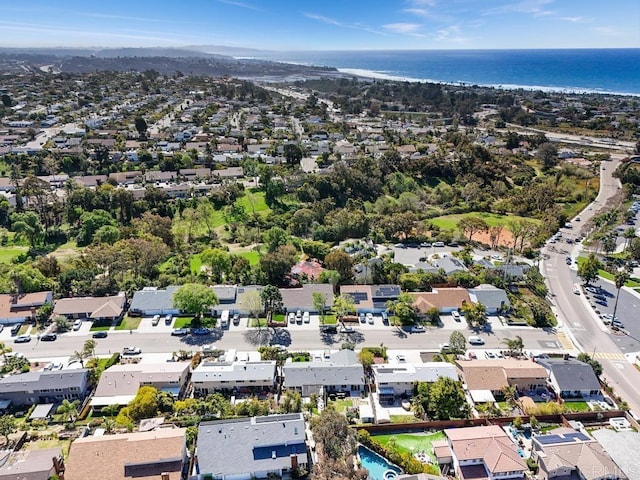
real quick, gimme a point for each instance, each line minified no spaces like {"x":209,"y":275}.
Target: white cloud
{"x":573,"y":19}
{"x":531,"y":7}
{"x":609,"y":31}
{"x":450,"y":34}
{"x":405,"y":28}
{"x":240,"y":4}
{"x":337,"y":23}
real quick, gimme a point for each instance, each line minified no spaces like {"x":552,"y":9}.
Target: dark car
{"x":601,"y":302}
{"x":15,"y":329}
{"x":49,"y":337}
{"x":201,"y":331}
{"x":180,"y":332}
{"x":599,"y":296}
{"x":100,"y":334}
{"x":329,"y":329}
{"x":568,"y":261}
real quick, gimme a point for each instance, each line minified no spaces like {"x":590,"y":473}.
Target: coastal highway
{"x":574,"y":312}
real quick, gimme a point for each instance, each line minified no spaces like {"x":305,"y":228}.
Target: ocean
{"x":611,"y":71}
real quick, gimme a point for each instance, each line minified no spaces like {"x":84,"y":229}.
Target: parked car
{"x":77,"y":324}
{"x":490,"y":355}
{"x":329,"y":329}
{"x":292,"y":317}
{"x":306,"y":317}
{"x":236,"y":319}
{"x":347,"y":329}
{"x":417,"y":329}
{"x":385,"y":317}
{"x":49,"y":337}
{"x":131,"y":351}
{"x":168,"y":319}
{"x":180,"y":332}
{"x":401,"y":359}
{"x":299,"y":317}
{"x":438,"y":244}
{"x":568,"y":261}
{"x":22,"y":339}
{"x":601,"y":302}
{"x":15,"y":329}
{"x":369,"y":317}
{"x":456,"y":316}
{"x":155,"y":320}
{"x":100,"y":334}
{"x":201,"y":331}
{"x":425,"y":245}
{"x":445,"y":347}
{"x":363,"y":319}
{"x":617,"y":323}
{"x":474,"y":340}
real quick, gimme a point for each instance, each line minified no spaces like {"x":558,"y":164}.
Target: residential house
{"x":302,"y":298}
{"x":341,"y":372}
{"x":45,"y":386}
{"x":159,"y":454}
{"x":154,"y":301}
{"x":307,"y":269}
{"x":371,"y":298}
{"x":247,"y":448}
{"x":449,"y":265}
{"x":18,"y":308}
{"x":91,"y":308}
{"x":119,"y":384}
{"x":126,"y":178}
{"x":493,"y":298}
{"x":31,"y":464}
{"x":395,"y":381}
{"x":238,"y":377}
{"x":446,"y":299}
{"x":567,"y":453}
{"x":626,"y":457}
{"x":571,"y":378}
{"x":484,"y":453}
{"x":483,"y":376}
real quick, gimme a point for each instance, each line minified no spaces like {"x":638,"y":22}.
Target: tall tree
{"x":457,"y":342}
{"x":271,"y":299}
{"x":194,"y":298}
{"x":620,"y":279}
{"x":141,"y":127}
{"x":343,"y":305}
{"x":342,"y":263}
{"x":515,"y":345}
{"x":588,"y":269}
{"x":332,"y":431}
{"x":472,"y":225}
{"x":320,"y":304}
{"x":7,"y":427}
{"x":68,"y":410}
{"x":447,"y":400}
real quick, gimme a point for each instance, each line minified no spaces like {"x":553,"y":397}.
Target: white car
{"x":456,"y":316}
{"x":401,"y":359}
{"x":417,"y":329}
{"x":292,"y":317}
{"x":131,"y":351}
{"x":369,"y":317}
{"x":444,"y":347}
{"x":306,"y":317}
{"x":474,"y":340}
{"x":77,"y":324}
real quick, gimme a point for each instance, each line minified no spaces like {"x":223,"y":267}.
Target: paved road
{"x":576,"y":315}
{"x":307,"y":339}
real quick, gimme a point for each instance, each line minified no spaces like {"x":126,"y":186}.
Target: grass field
{"x":412,"y":442}
{"x":9,"y":253}
{"x":450,"y":222}
{"x":182,"y":322}
{"x":576,"y":407}
{"x":129,"y":323}
{"x":251,"y":255}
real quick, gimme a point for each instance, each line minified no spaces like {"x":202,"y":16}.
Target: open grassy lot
{"x":450,"y":222}
{"x":9,"y":253}
{"x":411,"y":442}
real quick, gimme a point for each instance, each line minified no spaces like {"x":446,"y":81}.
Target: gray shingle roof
{"x":246,"y":445}
{"x":489,"y":296}
{"x":144,"y":300}
{"x":571,"y":374}
{"x":246,"y":371}
{"x":43,"y":380}
{"x":342,"y":369}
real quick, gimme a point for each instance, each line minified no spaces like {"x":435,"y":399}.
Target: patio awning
{"x":482,"y":396}
{"x":41,"y":411}
{"x":386,"y":391}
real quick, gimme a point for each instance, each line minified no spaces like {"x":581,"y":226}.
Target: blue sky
{"x":326,"y":25}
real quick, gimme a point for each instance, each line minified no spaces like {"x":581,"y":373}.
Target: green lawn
{"x":261,"y":322}
{"x":412,"y":442}
{"x":404,"y":419}
{"x":450,"y":222}
{"x":330,"y":319}
{"x":195,"y":263}
{"x":576,"y":407}
{"x":253,"y":201}
{"x":96,"y":327}
{"x":251,"y":255}
{"x":340,"y":405}
{"x":9,"y":253}
{"x":182,"y":322}
{"x":129,"y":323}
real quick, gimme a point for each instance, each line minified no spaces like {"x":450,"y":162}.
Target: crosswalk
{"x":609,"y":356}
{"x":565,"y":341}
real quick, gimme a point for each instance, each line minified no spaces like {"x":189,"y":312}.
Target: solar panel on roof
{"x":359,"y":297}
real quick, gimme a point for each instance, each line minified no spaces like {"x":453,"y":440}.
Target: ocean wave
{"x":359,"y":72}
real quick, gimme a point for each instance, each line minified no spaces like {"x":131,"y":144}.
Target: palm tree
{"x":68,"y":410}
{"x":79,"y":356}
{"x":4,"y":350}
{"x":109,"y":425}
{"x":620,"y":279}
{"x":515,"y":345}
{"x":510,"y":393}
{"x":90,"y":347}
{"x":111,"y":410}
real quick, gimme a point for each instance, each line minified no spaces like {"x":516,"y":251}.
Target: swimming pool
{"x":376,"y":464}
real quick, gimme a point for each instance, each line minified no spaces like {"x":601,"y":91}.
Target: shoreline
{"x":381,"y":75}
